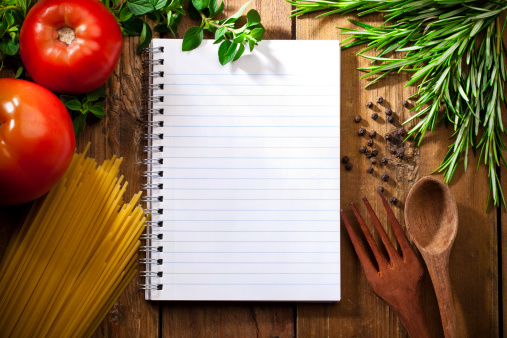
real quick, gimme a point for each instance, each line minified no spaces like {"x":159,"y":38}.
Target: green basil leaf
{"x":240,"y":52}
{"x":98,"y":93}
{"x":253,"y":17}
{"x":125,"y":14}
{"x":79,"y":124}
{"x":200,"y":4}
{"x":158,"y":4}
{"x":192,"y":38}
{"x":19,"y":71}
{"x":220,"y":32}
{"x":9,"y":47}
{"x":145,"y":38}
{"x":133,"y":26}
{"x":258,"y":33}
{"x":73,"y":104}
{"x":213,"y":6}
{"x":140,"y":7}
{"x":220,"y":9}
{"x":98,"y":110}
{"x":8,"y":19}
{"x":238,"y":13}
{"x":222,"y":51}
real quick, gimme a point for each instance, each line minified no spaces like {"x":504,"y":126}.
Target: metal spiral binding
{"x":151,"y":240}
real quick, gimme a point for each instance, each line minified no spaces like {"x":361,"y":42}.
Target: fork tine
{"x":405,"y":246}
{"x":381,"y":260}
{"x":368,"y":267}
{"x":383,"y":235}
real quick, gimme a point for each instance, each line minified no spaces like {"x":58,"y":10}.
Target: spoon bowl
{"x":431,"y":215}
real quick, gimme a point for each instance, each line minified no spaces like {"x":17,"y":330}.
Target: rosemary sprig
{"x":456,"y":54}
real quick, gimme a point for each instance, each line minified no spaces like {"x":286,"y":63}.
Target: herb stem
{"x":208,"y":21}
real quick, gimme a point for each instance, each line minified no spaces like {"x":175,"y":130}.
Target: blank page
{"x":250,"y":168}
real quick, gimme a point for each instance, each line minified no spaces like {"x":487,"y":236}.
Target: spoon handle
{"x":438,"y":268}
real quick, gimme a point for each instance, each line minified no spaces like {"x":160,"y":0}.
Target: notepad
{"x":244,"y":173}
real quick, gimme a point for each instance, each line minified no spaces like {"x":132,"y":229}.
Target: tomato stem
{"x":66,"y":35}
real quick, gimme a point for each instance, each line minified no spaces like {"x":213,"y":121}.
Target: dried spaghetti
{"x":73,"y":256}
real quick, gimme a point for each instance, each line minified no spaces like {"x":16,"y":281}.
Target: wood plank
{"x":120,"y":134}
{"x":219,"y":319}
{"x":474,"y":271}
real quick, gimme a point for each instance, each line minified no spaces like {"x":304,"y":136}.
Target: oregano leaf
{"x":192,"y":38}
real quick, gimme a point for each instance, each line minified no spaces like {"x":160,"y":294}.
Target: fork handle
{"x":413,"y":317}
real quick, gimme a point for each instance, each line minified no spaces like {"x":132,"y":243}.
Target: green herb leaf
{"x":145,"y":38}
{"x":140,"y":7}
{"x":98,"y":93}
{"x":253,"y":17}
{"x":238,"y":13}
{"x":192,"y":38}
{"x":133,"y":26}
{"x":98,"y":110}
{"x":73,"y":104}
{"x":9,"y":47}
{"x":200,"y":4}
{"x":79,"y":124}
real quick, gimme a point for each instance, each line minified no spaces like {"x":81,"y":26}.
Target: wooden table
{"x":477,"y":259}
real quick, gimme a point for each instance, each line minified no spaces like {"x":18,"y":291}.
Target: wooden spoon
{"x":431,"y":216}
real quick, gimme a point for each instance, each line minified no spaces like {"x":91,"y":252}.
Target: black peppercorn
{"x":405,"y":103}
{"x":369,"y":143}
{"x":400,"y":154}
{"x":380,"y":188}
{"x":401,"y":132}
{"x":385,"y":177}
{"x":393,"y":151}
{"x":373,"y":160}
{"x":369,"y":170}
{"x":373,"y":133}
{"x":374,"y":116}
{"x":388,"y":136}
{"x":389,"y":111}
{"x":357,"y":119}
{"x":362,"y":149}
{"x":383,"y":160}
{"x":374,"y":152}
{"x":380,"y":99}
{"x":345,"y":159}
{"x":393,"y":200}
{"x":348,"y":166}
{"x":390,"y":119}
{"x":369,"y":104}
{"x":368,"y":154}
{"x":361,"y":131}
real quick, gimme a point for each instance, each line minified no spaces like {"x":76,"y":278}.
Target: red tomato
{"x":70,"y":46}
{"x":36,"y":141}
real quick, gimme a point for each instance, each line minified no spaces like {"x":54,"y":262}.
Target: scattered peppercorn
{"x":405,"y":103}
{"x":383,"y":160}
{"x":369,"y":143}
{"x":374,"y":116}
{"x":373,"y":133}
{"x":389,"y":111}
{"x":390,"y":119}
{"x":385,"y":177}
{"x":348,"y":166}
{"x":393,"y":200}
{"x":369,"y":104}
{"x":362,"y":149}
{"x":369,"y":170}
{"x":393,"y":151}
{"x":374,"y":152}
{"x":400,"y":154}
{"x":401,"y":132}
{"x":345,"y":159}
{"x":361,"y":131}
{"x":380,"y":188}
{"x":368,"y":154}
{"x":388,"y":136}
{"x":373,"y":160}
{"x":357,"y":119}
{"x":380,"y":99}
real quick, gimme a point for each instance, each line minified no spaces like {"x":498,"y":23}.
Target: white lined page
{"x":251,"y":173}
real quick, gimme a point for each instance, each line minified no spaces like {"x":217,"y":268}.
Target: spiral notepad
{"x":243,"y":173}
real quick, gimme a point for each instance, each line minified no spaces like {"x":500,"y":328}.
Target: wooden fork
{"x":398,"y":281}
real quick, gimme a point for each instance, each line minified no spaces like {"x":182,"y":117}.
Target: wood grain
{"x":474,"y":257}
